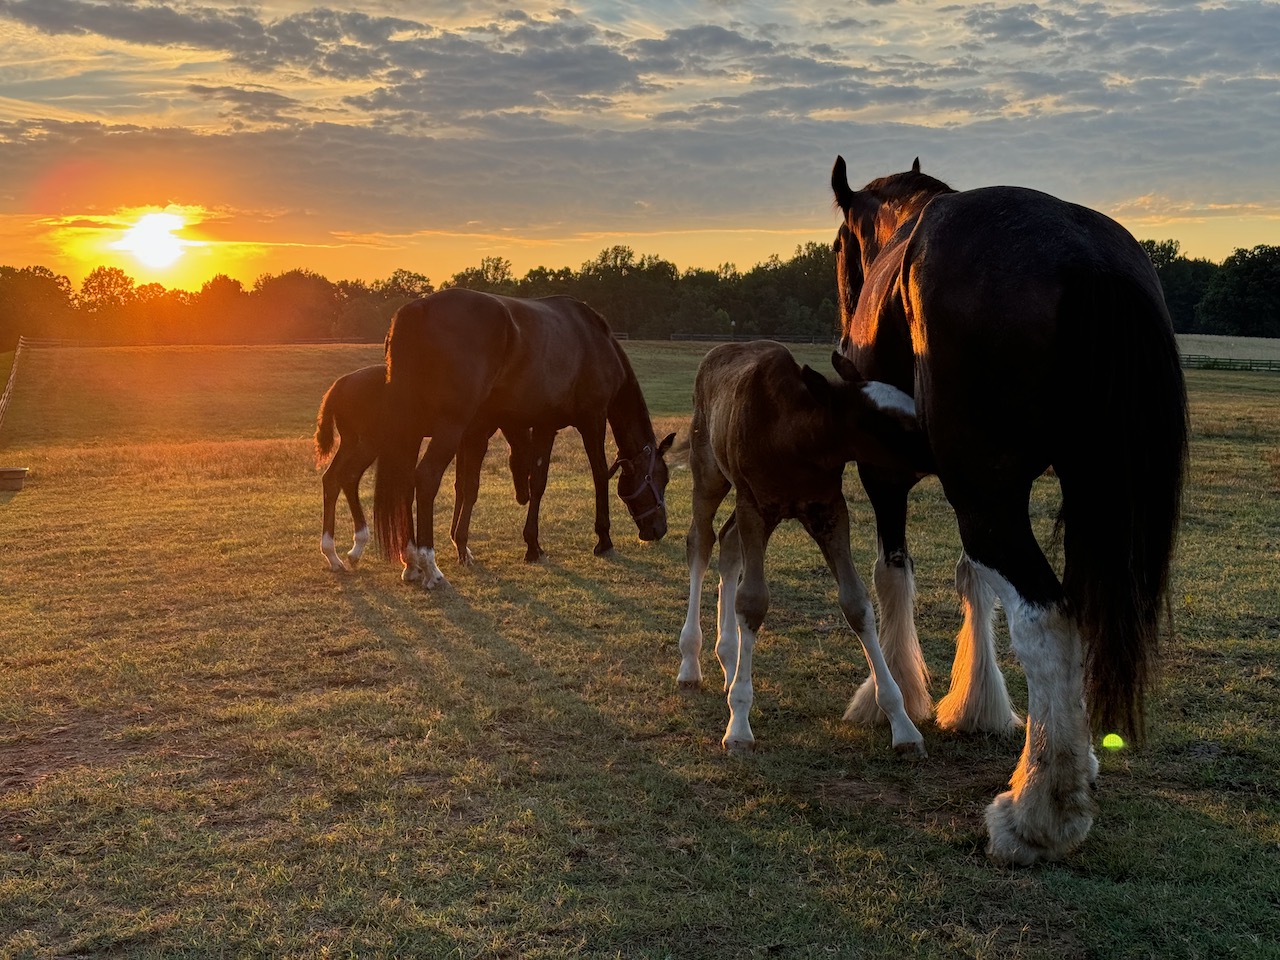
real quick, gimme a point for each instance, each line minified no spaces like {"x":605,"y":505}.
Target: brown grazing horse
{"x":781,"y":435}
{"x":461,"y":363}
{"x":1032,"y":333}
{"x":352,"y":406}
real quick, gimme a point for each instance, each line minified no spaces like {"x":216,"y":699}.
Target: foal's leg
{"x":896,"y":592}
{"x":466,"y":490}
{"x":332,"y":485}
{"x":441,"y":449}
{"x":709,"y":488}
{"x":978,"y":701}
{"x":1049,"y":809}
{"x":828,"y":524}
{"x":727,"y":639}
{"x":751,"y":604}
{"x":365,"y":454}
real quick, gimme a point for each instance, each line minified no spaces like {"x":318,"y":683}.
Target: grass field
{"x":212,"y":746}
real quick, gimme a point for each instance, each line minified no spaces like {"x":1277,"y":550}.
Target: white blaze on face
{"x":890,"y":399}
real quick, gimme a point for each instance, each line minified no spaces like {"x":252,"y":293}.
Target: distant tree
{"x":105,"y":289}
{"x":1243,"y":298}
{"x":492,"y":276}
{"x":34,"y":302}
{"x":541,"y":282}
{"x":404,"y":285}
{"x":1184,"y":281}
{"x":295,"y":305}
{"x":104,"y":294}
{"x":220,"y":312}
{"x":156,"y":314}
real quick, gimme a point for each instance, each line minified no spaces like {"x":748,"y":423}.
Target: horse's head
{"x":871,"y":217}
{"x":873,"y":422}
{"x":642,"y":487}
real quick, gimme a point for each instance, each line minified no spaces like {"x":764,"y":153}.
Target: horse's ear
{"x":845,"y":367}
{"x":818,"y":385}
{"x":915,"y":167}
{"x":665,"y":445}
{"x":840,"y":184}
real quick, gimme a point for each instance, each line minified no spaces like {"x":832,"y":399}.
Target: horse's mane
{"x":909,"y":188}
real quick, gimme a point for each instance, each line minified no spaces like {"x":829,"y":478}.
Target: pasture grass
{"x":212,"y":746}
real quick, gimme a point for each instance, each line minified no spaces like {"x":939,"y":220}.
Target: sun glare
{"x":151,"y":240}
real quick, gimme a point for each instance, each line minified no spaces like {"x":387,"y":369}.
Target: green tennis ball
{"x":1113,"y":741}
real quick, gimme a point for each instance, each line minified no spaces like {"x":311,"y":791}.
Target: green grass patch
{"x":212,"y":746}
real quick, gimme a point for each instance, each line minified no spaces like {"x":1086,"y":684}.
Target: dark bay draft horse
{"x":352,"y":411}
{"x":1032,"y":333}
{"x":781,"y":435}
{"x":461,"y":363}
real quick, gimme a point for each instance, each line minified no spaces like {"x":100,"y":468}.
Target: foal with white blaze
{"x":781,"y":435}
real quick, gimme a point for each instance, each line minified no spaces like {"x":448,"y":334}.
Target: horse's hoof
{"x":533,"y":555}
{"x":689,"y":686}
{"x":739,"y":747}
{"x":604,"y":549}
{"x":1007,"y":845}
{"x":912,"y":750}
{"x":465,"y":557}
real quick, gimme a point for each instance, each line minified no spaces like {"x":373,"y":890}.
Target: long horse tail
{"x":398,"y":454}
{"x":1122,"y":473}
{"x":324,"y":426}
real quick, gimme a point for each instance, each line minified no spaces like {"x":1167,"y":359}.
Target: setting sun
{"x":151,"y":240}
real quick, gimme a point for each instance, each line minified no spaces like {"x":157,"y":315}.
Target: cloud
{"x":403,"y":117}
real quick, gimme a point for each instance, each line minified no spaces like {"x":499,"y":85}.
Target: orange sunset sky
{"x":181,"y":140}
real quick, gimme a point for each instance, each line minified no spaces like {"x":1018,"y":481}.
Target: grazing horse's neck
{"x":628,"y":417}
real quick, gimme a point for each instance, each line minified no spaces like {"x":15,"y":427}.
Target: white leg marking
{"x":412,"y":573}
{"x":1048,"y":811}
{"x":432,"y":577}
{"x":978,"y":701}
{"x":690,"y":675}
{"x":358,"y":543}
{"x":907,"y":739}
{"x":896,"y":593}
{"x":728,"y":641}
{"x":737,"y":735}
{"x":326,"y":547}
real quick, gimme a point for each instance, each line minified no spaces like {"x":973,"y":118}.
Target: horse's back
{"x":754,"y":415}
{"x":568,"y":365}
{"x":1007,"y":292}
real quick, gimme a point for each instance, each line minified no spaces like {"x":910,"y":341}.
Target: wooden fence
{"x":1196,"y":361}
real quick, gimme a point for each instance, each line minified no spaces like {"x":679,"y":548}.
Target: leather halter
{"x":646,"y":484}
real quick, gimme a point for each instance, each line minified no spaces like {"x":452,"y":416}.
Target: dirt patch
{"x":86,"y":740}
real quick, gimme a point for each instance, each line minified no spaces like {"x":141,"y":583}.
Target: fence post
{"x":13,"y":375}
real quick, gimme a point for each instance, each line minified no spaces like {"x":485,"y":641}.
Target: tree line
{"x":645,"y":297}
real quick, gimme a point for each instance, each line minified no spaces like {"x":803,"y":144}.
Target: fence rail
{"x":1196,"y":361}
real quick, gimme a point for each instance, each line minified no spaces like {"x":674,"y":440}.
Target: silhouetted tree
{"x":34,"y":302}
{"x":1243,"y":298}
{"x":1184,"y":281}
{"x":296,"y":305}
{"x":492,"y":276}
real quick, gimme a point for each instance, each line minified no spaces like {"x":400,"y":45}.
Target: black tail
{"x":1122,"y":473}
{"x":324,"y":427}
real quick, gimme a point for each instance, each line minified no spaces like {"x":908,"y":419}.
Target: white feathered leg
{"x":896,"y":593}
{"x":978,"y":701}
